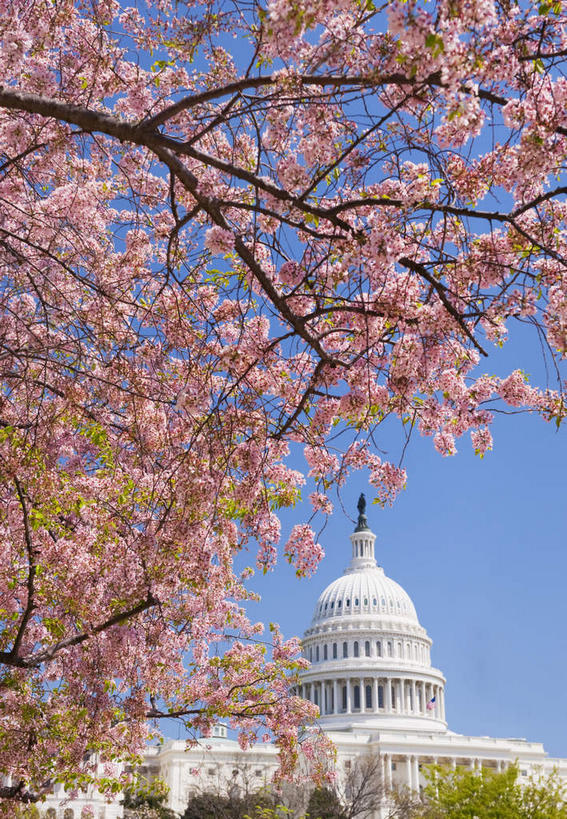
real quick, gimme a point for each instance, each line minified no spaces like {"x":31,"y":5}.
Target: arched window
{"x":355,"y":647}
{"x":334,"y":651}
{"x":367,"y":648}
{"x":390,"y":648}
{"x":400,"y":650}
{"x":310,"y":655}
{"x":345,"y":649}
{"x":368,"y":696}
{"x":356,"y":601}
{"x":356,"y":693}
{"x":325,"y":657}
{"x":339,"y":604}
{"x":393,"y":687}
{"x":380,"y":696}
{"x":344,"y":698}
{"x":317,"y":654}
{"x":378,"y":648}
{"x":347,"y":601}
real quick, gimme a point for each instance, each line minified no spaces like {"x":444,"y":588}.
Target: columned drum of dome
{"x":370,"y":657}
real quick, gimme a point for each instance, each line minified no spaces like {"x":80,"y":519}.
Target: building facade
{"x":371,"y":676}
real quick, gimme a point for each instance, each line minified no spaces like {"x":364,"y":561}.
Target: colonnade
{"x":376,"y":695}
{"x":408,"y":771}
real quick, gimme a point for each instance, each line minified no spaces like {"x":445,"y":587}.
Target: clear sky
{"x":480,"y":547}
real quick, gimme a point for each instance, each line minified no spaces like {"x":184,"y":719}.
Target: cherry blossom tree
{"x":228,"y":229}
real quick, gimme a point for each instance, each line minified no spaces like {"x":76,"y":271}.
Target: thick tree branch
{"x":40,"y":657}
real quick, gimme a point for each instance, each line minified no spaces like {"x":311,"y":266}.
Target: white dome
{"x":369,"y":656}
{"x":365,"y":592}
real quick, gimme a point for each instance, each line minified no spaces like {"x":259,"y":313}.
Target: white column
{"x":335,"y":699}
{"x":362,"y":697}
{"x":348,"y":705}
{"x":400,"y":697}
{"x":310,"y":695}
{"x":389,"y":771}
{"x":408,"y":773}
{"x":453,"y":763}
{"x":375,"y":694}
{"x":414,"y":696}
{"x":388,"y":695}
{"x":415,"y":762}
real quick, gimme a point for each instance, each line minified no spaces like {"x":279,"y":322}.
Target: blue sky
{"x":480,"y":547}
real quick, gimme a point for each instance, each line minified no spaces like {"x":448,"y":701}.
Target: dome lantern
{"x":363,"y":540}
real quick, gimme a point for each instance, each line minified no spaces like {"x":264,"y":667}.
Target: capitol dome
{"x":362,"y":592}
{"x":369,"y":654}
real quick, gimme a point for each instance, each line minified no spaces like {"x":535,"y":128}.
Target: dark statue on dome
{"x":361,"y":506}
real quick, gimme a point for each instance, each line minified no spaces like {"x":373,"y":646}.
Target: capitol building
{"x":371,"y":676}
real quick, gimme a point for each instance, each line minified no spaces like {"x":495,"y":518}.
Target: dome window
{"x":347,"y":601}
{"x":325,"y":652}
{"x":345,"y":649}
{"x":356,"y":692}
{"x":378,"y":648}
{"x":332,"y":604}
{"x":355,"y":647}
{"x":368,"y":696}
{"x":310,"y":655}
{"x":334,"y":651}
{"x":326,"y":604}
{"x":373,"y":601}
{"x":383,"y":601}
{"x":317,"y":654}
{"x":339,"y":604}
{"x":356,"y":601}
{"x":380,"y":696}
{"x":367,"y":648}
{"x":365,"y":601}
